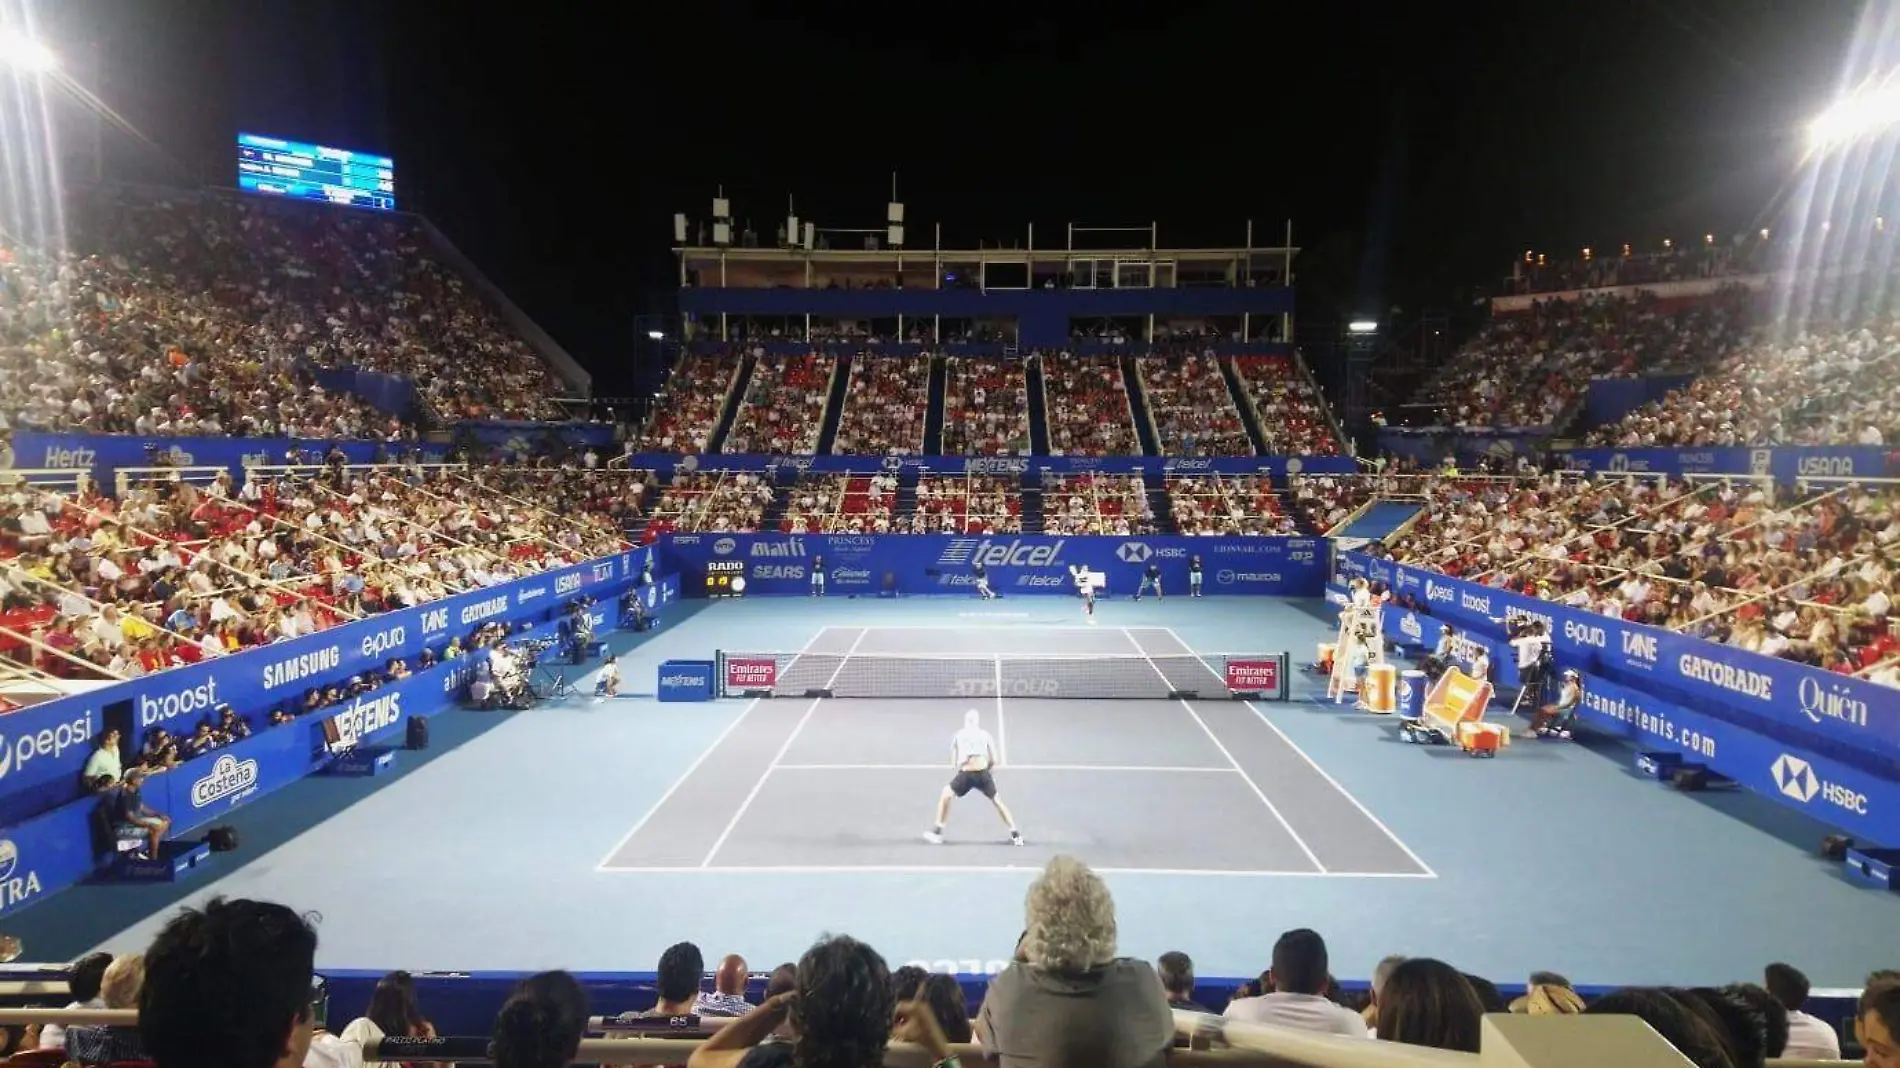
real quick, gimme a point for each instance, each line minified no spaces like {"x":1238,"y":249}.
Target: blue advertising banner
{"x":102,"y":454}
{"x":394,"y":394}
{"x":1412,"y":630}
{"x":1848,"y":719}
{"x":1787,"y":464}
{"x":43,"y":747}
{"x":1610,"y":399}
{"x":1278,"y":467}
{"x":47,"y":854}
{"x":881,"y":350}
{"x":1017,"y":564}
{"x":521,"y":440}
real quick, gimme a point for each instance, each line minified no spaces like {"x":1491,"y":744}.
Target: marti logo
{"x":16,"y":885}
{"x":1797,"y":780}
{"x":45,"y":742}
{"x":229,"y":777}
{"x":1831,"y":701}
{"x":788,"y":549}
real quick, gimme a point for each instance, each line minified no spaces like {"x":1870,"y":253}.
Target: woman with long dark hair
{"x":392,"y":1012}
{"x":541,"y":1024}
{"x":1427,"y":1002}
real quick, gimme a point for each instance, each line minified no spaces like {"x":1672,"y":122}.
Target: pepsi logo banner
{"x":1859,"y":716}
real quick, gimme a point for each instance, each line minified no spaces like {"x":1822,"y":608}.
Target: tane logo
{"x":1639,"y":646}
{"x":1133,"y":552}
{"x":435,"y":620}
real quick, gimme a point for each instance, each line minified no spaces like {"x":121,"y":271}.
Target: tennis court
{"x":848,"y":783}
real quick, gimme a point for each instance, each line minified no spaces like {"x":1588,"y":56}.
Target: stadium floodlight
{"x":1362,"y":326}
{"x":656,"y":335}
{"x":1855,"y":117}
{"x":23,"y":53}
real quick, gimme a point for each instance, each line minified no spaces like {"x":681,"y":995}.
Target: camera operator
{"x":578,"y":629}
{"x":1532,"y":648}
{"x":1555,"y":720}
{"x":633,"y":613}
{"x":1435,"y":662}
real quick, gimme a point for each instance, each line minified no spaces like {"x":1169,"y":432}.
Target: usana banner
{"x":869,"y":564}
{"x":1787,"y":464}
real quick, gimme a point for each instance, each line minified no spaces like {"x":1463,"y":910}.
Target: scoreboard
{"x":305,"y":171}
{"x":725,"y":578}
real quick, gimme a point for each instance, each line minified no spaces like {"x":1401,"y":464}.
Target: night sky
{"x":1416,"y":147}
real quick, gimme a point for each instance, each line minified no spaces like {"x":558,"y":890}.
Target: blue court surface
{"x":590,"y":834}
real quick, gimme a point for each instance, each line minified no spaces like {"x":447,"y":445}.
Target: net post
{"x":996,"y":664}
{"x":719,"y":673}
{"x":1286,"y":675}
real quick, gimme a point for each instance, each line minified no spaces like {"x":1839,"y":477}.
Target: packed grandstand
{"x":203,"y":315}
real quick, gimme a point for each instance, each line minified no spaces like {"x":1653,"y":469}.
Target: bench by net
{"x":1169,"y":676}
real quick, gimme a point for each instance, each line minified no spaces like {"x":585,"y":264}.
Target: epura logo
{"x":15,"y":887}
{"x":566,"y":584}
{"x":1586,"y":634}
{"x":384,"y":641}
{"x":45,"y":742}
{"x":790,"y":548}
{"x":435,"y":620}
{"x":190,"y":701}
{"x":1831,"y":701}
{"x":1727,"y":676}
{"x":367,"y":716}
{"x":69,"y":458}
{"x":724,"y":547}
{"x":1439,"y":594}
{"x":297,"y":668}
{"x":1797,"y":780}
{"x":481,"y":610}
{"x":778,"y":571}
{"x":228,"y":777}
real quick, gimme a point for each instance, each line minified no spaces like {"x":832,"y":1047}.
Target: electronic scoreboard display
{"x":725,"y":578}
{"x":315,"y":172}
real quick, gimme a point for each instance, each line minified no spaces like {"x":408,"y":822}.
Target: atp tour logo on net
{"x":53,"y":741}
{"x":229,"y":777}
{"x":1018,"y":687}
{"x":962,"y":552}
{"x":1798,"y":781}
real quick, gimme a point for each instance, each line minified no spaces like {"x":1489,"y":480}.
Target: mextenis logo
{"x":1439,"y":594}
{"x":384,"y":641}
{"x":16,"y":886}
{"x":366,"y":717}
{"x":192,"y":700}
{"x":1798,"y":781}
{"x":45,"y":742}
{"x":481,"y":610}
{"x":685,"y":679}
{"x":1727,"y":676}
{"x":229,"y":777}
{"x":1834,"y":701}
{"x":792,"y":547}
{"x":996,"y":465}
{"x":297,"y":668}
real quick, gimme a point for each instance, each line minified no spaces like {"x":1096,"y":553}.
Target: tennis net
{"x":1260,"y":676}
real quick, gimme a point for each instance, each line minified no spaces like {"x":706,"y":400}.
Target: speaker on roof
{"x":791,"y":231}
{"x":722,"y":233}
{"x":896,"y":236}
{"x":894,"y":212}
{"x":722,"y":208}
{"x":679,"y":227}
{"x":811,"y":234}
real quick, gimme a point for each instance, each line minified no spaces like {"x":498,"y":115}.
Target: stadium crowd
{"x":784,"y":408}
{"x":967,"y":504}
{"x":985,"y":407}
{"x":1745,"y":256}
{"x":1192,"y":409}
{"x":1289,"y":410}
{"x":710,"y":500}
{"x":1325,"y":501}
{"x":840,"y":504}
{"x":1805,"y":573}
{"x":230,"y":983}
{"x":884,"y":407}
{"x":1096,"y":504}
{"x":688,"y":409}
{"x":1086,"y":406}
{"x":1231,"y":505}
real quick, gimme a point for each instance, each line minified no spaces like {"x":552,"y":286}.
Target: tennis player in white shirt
{"x":972,"y":754}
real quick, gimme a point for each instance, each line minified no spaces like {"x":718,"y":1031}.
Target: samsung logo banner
{"x":302,"y":666}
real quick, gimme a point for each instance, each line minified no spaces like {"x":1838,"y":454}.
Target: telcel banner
{"x":1850,"y":719}
{"x":1016,"y":563}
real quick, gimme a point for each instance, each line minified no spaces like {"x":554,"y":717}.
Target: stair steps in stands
{"x":1038,"y":410}
{"x":784,"y":477}
{"x":906,"y":505}
{"x":1380,"y":519}
{"x":933,"y":415}
{"x":1249,"y":418}
{"x":1161,"y":506}
{"x":717,"y":442}
{"x":834,"y":403}
{"x":1031,"y":486}
{"x":1138,"y":408}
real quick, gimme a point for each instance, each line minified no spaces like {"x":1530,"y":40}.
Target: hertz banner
{"x":860,"y":564}
{"x":102,"y":454}
{"x":1847,"y":718}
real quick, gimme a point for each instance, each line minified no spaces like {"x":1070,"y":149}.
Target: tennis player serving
{"x":972,"y":754}
{"x":1085,"y":585}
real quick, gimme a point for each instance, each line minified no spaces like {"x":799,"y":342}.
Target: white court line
{"x":720,"y":842}
{"x":939,"y":626}
{"x":1012,"y":767}
{"x":992,"y":869}
{"x":1257,"y":791}
{"x":1343,"y":792}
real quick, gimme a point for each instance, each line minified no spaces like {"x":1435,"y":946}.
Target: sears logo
{"x":1796,"y":779}
{"x":1826,"y":466}
{"x":1831,"y":701}
{"x":366,"y":717}
{"x":778,"y":571}
{"x":481,"y":610}
{"x":435,"y":620}
{"x":788,"y":549}
{"x":1727,"y":676}
{"x":384,"y":641}
{"x":724,"y":547}
{"x":1640,"y":646}
{"x":193,"y":700}
{"x":1438,"y":594}
{"x":14,"y":886}
{"x":67,"y":458}
{"x":1409,"y":626}
{"x":1133,"y":552}
{"x":566,"y":584}
{"x":228,"y":777}
{"x":1585,"y":634}
{"x":45,"y":742}
{"x":282,"y":673}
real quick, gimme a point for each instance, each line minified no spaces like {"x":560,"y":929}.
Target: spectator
{"x":1771,"y":1013}
{"x":906,"y":980}
{"x":229,"y":987}
{"x":1744,"y":1032}
{"x":944,"y":995}
{"x":129,"y":810}
{"x":119,"y":988}
{"x":1299,"y":984}
{"x":727,"y":997}
{"x":392,"y":1011}
{"x":1380,"y":973}
{"x":1877,"y":1020}
{"x":84,"y":984}
{"x":1669,"y":1017}
{"x":104,"y":761}
{"x":541,"y":1023}
{"x":1809,"y":1037}
{"x":1427,"y":1002}
{"x":681,"y":968}
{"x":1176,"y":970}
{"x":985,"y":407}
{"x":840,"y":1016}
{"x":1086,"y":407}
{"x":784,"y":408}
{"x":1075,"y":1002}
{"x":1191,"y":407}
{"x":884,"y":407}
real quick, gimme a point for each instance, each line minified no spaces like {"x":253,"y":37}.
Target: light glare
{"x":1362,"y":326}
{"x":1854,"y":118}
{"x":23,"y":53}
